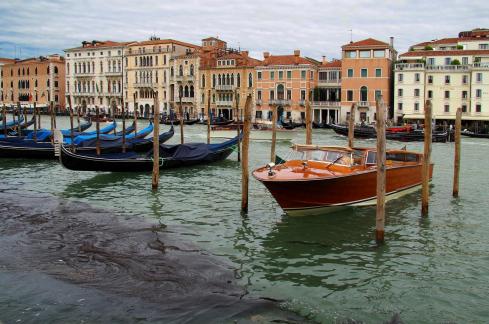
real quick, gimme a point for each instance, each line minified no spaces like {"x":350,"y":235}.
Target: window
{"x":350,"y":73}
{"x":258,"y":114}
{"x":399,"y":92}
{"x":416,"y":92}
{"x":259,"y":75}
{"x":447,"y":108}
{"x":349,"y":95}
{"x":478,"y":93}
{"x":272,"y":75}
{"x":303,"y":94}
{"x":483,"y":46}
{"x":303,"y":75}
{"x":363,"y":94}
{"x":311,"y":75}
{"x":289,"y":75}
{"x":448,"y":61}
{"x":258,"y":94}
{"x":350,"y":54}
{"x":478,"y":108}
{"x":289,"y":94}
{"x":378,"y":93}
{"x":464,"y":94}
{"x":478,"y":77}
{"x":399,"y":106}
{"x":465,"y":60}
{"x":430,"y":94}
{"x":378,"y":73}
{"x":416,"y":106}
{"x":400,"y":77}
{"x":431,"y":61}
{"x":250,"y":80}
{"x":430,"y":79}
{"x":465,"y":79}
{"x":272,"y":95}
{"x":447,"y":79}
{"x":280,"y":75}
{"x":447,"y":94}
{"x":464,"y":108}
{"x":416,"y":77}
{"x":363,"y":73}
{"x":379,"y":53}
{"x":364,"y":54}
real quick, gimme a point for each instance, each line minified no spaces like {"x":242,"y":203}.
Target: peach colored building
{"x":366,"y":73}
{"x":35,"y":80}
{"x":326,"y":103}
{"x":230,"y":76}
{"x":3,"y":61}
{"x":286,"y":81}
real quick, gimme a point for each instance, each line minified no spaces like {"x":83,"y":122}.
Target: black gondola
{"x":171,"y":156}
{"x":474,"y":134}
{"x":359,"y":131}
{"x":190,"y":121}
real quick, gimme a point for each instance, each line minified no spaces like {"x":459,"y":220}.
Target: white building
{"x":94,"y":74}
{"x":451,"y":72}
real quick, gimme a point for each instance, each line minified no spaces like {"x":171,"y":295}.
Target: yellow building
{"x":147,"y":69}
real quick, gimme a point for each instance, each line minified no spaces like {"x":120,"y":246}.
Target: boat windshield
{"x":337,"y":157}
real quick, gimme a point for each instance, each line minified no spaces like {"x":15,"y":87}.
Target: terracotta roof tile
{"x":286,"y":60}
{"x":332,"y":64}
{"x":6,"y":60}
{"x":451,"y":40}
{"x":445,"y":53}
{"x":369,"y":42}
{"x":164,"y":41}
{"x":101,"y":44}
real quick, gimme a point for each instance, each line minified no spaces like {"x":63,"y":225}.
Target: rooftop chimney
{"x":391,"y":42}
{"x":266,"y":54}
{"x":297,"y":52}
{"x":325,"y":60}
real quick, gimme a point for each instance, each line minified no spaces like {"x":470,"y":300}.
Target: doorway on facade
{"x":226,"y":113}
{"x":363,"y":117}
{"x":113,"y":107}
{"x":141,"y":110}
{"x":332,"y":117}
{"x":280,"y":114}
{"x":146,"y":111}
{"x":84,"y":106}
{"x":324,"y":116}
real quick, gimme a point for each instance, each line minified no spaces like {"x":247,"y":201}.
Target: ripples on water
{"x":327,"y":267}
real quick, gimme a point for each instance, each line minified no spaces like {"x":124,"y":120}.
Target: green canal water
{"x":326,"y":268}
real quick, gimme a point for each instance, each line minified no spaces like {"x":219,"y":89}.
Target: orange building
{"x":286,"y":81}
{"x":35,"y":80}
{"x":230,"y":76}
{"x":3,"y":61}
{"x":366,"y":73}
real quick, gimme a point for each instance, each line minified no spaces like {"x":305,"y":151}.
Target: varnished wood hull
{"x":316,"y":196}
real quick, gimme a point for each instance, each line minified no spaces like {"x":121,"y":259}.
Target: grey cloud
{"x":317,"y":27}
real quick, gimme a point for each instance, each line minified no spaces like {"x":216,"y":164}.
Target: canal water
{"x":325,"y":268}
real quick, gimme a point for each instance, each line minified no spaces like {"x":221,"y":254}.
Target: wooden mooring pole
{"x":97,"y":144}
{"x":244,"y":157}
{"x":238,"y":127}
{"x":209,"y":117}
{"x":135,"y":116}
{"x":182,"y":140}
{"x":19,"y":129}
{"x":51,"y":113}
{"x":351,"y":125}
{"x":426,"y":159}
{"x":4,"y":116}
{"x":78,"y":118}
{"x":380,"y":216}
{"x":274,"y":132}
{"x":72,"y":131}
{"x":34,"y":112}
{"x":456,"y":164}
{"x":124,"y":126}
{"x":39,"y":118}
{"x":308,"y":123}
{"x":156,"y":144}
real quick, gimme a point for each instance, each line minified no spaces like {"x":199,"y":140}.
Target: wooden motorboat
{"x":325,"y":178}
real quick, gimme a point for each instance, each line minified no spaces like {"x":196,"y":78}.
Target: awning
{"x":445,"y":117}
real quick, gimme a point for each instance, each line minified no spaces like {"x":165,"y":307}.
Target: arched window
{"x":55,"y":70}
{"x":141,"y":61}
{"x":213,"y":80}
{"x":84,"y":68}
{"x":250,"y":80}
{"x":280,"y":92}
{"x":172,"y":71}
{"x":363,"y":94}
{"x":88,"y":67}
{"x":191,"y":69}
{"x":228,"y":79}
{"x":238,"y":80}
{"x":48,"y":69}
{"x":93,"y":67}
{"x":180,"y":91}
{"x":232,"y":78}
{"x":27,"y":71}
{"x":156,"y":60}
{"x":219,"y":79}
{"x":35,"y":71}
{"x":191,"y":91}
{"x":18,"y":71}
{"x":151,"y":60}
{"x":35,"y":83}
{"x":186,"y":92}
{"x":180,"y":70}
{"x":203,"y":81}
{"x":23,"y":71}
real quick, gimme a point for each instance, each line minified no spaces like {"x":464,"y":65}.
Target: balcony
{"x":259,"y":102}
{"x":226,"y":87}
{"x":84,"y":74}
{"x":280,"y":102}
{"x":145,"y":85}
{"x":453,"y":68}
{"x":185,"y":99}
{"x":409,"y":66}
{"x":481,"y":65}
{"x":330,"y":81}
{"x":113,"y":73}
{"x":363,"y":104}
{"x":146,"y":51}
{"x":224,"y":103}
{"x":184,"y":78}
{"x":333,"y":104}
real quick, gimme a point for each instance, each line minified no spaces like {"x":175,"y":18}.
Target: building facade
{"x":150,"y":68}
{"x":94,"y":75}
{"x":229,"y":76}
{"x":37,"y":80}
{"x":286,"y":81}
{"x":326,"y":103}
{"x":366,"y":73}
{"x":184,"y":84}
{"x":3,"y":61}
{"x":451,"y":72}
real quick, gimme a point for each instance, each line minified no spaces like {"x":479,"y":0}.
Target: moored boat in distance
{"x":327,"y":178}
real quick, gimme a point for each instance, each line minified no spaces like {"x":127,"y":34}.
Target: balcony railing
{"x":409,"y":66}
{"x":226,"y":87}
{"x":280,"y":102}
{"x":146,"y":51}
{"x":112,"y":72}
{"x":481,"y":65}
{"x":145,"y":84}
{"x":180,"y":78}
{"x":224,"y":103}
{"x":329,"y":81}
{"x":363,"y":104}
{"x":326,"y":103}
{"x":448,"y":67}
{"x":259,"y":102}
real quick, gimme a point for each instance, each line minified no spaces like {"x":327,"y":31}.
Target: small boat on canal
{"x":326,"y":178}
{"x":468,"y":133}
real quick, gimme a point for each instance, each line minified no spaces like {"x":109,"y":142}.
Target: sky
{"x":318,"y":28}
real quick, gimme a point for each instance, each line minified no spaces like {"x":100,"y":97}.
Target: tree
{"x":460,"y":47}
{"x":428,"y":48}
{"x":455,"y":62}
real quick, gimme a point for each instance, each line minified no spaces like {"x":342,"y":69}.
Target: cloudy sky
{"x":40,"y":27}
